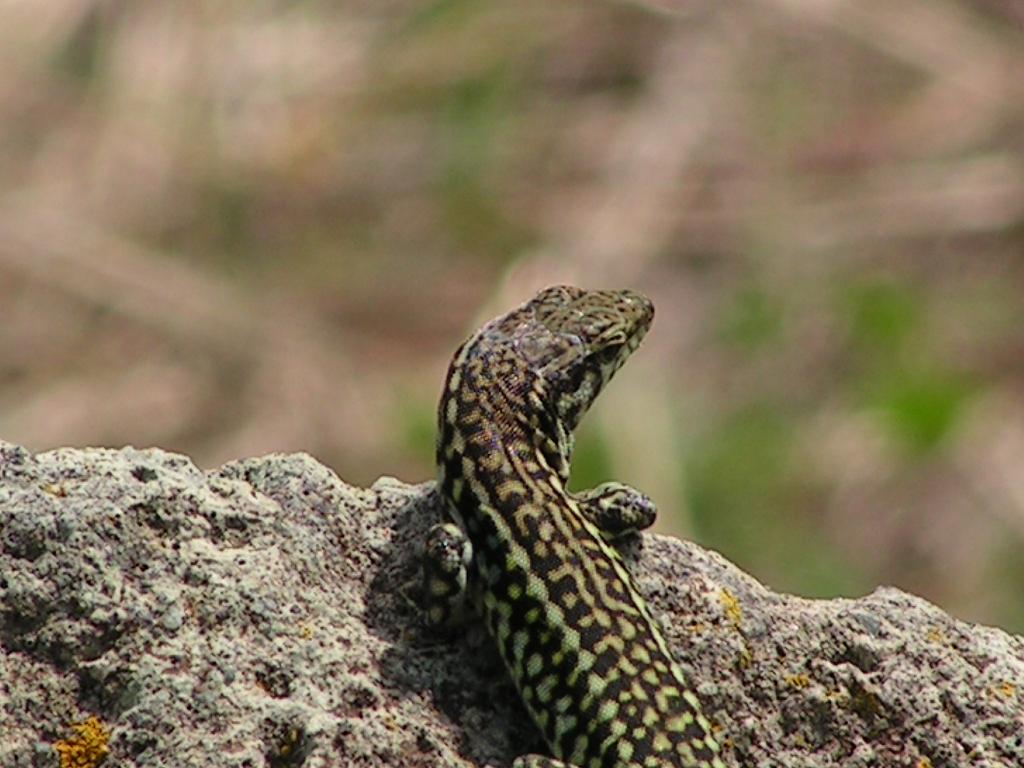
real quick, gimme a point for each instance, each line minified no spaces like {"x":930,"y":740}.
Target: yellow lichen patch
{"x":935,"y":635}
{"x":924,"y":762}
{"x":798,"y":681}
{"x":87,"y":748}
{"x":746,"y":658}
{"x":733,"y":609}
{"x":56,"y":489}
{"x":1005,"y":690}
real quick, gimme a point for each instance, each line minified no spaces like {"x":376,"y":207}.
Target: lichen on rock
{"x":258,"y":615}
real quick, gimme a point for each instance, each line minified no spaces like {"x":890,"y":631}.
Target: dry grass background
{"x":244,"y":227}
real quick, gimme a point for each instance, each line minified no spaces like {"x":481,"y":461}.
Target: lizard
{"x":583,"y":649}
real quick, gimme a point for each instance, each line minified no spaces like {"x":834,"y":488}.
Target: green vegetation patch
{"x":751,"y":498}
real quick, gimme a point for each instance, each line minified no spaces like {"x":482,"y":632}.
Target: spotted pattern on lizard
{"x":582,"y":647}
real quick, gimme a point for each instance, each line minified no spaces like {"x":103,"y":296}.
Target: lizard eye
{"x":614,"y":339}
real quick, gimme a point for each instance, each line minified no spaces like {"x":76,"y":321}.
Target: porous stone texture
{"x":261,"y":614}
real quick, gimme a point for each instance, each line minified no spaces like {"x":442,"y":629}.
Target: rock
{"x":260,"y":615}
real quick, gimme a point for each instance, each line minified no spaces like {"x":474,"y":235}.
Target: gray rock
{"x":258,"y":615}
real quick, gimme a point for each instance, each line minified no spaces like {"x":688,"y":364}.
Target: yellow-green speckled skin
{"x":582,"y":647}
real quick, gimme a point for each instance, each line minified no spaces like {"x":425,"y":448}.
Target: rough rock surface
{"x":257,"y":615}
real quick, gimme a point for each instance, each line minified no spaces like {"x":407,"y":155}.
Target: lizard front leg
{"x":446,"y":556}
{"x":616,"y":509}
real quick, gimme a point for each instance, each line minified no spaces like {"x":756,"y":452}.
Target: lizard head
{"x":575,"y":340}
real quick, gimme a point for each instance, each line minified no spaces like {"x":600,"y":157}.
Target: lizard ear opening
{"x":548,"y":352}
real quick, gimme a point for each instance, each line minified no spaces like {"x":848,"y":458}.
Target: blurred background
{"x":241,"y":227}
